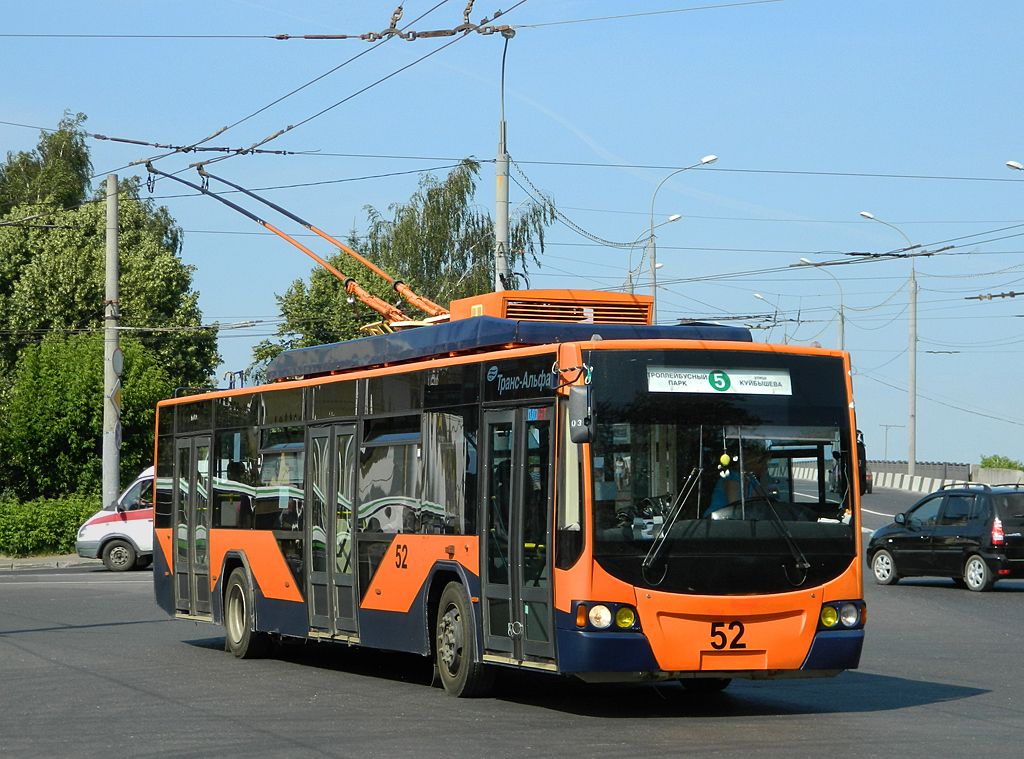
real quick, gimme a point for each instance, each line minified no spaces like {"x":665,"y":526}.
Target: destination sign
{"x":677,"y":379}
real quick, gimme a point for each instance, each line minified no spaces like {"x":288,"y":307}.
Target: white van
{"x":122,"y":532}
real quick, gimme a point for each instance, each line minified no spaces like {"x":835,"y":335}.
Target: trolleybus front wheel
{"x":239,"y":637}
{"x":461,"y":674}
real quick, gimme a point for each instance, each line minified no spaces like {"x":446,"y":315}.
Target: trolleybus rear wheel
{"x":239,"y":637}
{"x":461,"y":674}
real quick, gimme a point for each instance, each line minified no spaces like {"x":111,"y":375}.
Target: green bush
{"x":1000,"y":462}
{"x":45,"y":525}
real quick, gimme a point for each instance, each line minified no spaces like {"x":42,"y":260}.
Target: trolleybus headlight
{"x":829,"y":616}
{"x":600,"y":616}
{"x":849,"y":614}
{"x":625,"y":617}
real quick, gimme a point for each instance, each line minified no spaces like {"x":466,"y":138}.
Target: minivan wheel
{"x":883,"y":567}
{"x":118,"y":556}
{"x":977,"y":575}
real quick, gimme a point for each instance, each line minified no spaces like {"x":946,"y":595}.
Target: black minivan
{"x":970,"y":532}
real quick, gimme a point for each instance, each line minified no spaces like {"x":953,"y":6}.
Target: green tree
{"x":51,"y":430}
{"x":1000,"y":462}
{"x":439,"y":243}
{"x":57,"y":172}
{"x":52,"y":282}
{"x":52,"y":273}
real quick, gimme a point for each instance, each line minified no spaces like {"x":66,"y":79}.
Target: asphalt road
{"x":89,"y":666}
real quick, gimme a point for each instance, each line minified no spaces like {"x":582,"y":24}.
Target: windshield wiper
{"x":798,"y":556}
{"x":673,"y":515}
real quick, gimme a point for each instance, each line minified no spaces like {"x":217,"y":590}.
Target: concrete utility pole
{"x":501,"y":176}
{"x":113,"y":360}
{"x":912,"y":377}
{"x":912,"y":350}
{"x":501,"y":212}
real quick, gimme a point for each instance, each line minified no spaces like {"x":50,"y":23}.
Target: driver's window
{"x":926,"y":514}
{"x":132,"y":500}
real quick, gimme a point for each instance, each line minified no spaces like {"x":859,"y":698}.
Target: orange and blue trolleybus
{"x":540,"y":480}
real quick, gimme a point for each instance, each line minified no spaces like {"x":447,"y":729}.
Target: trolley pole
{"x":113,"y":360}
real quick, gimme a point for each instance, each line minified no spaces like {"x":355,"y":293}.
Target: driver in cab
{"x":754,"y":463}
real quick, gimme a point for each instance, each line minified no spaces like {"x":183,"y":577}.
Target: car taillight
{"x":997,"y":532}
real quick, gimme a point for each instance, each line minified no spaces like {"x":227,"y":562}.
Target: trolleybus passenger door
{"x":192,"y":526}
{"x":516,"y":576}
{"x":330,"y":489}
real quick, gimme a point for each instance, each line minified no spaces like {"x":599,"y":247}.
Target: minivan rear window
{"x":1010,"y":508}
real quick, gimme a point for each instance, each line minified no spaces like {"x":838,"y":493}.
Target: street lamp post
{"x":842,"y":319}
{"x":912,"y":350}
{"x":785,"y":336}
{"x":887,"y":426}
{"x":629,"y":275}
{"x":651,"y":247}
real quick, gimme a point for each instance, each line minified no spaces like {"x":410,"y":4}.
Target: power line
{"x":652,"y":167}
{"x":484,"y":27}
{"x":648,"y":13}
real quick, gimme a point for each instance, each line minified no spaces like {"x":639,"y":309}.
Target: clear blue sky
{"x":817,"y":109}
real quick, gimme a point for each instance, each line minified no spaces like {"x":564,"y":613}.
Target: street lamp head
{"x":675,"y":217}
{"x":758,"y":296}
{"x":866,"y":215}
{"x":1015,"y":165}
{"x":708,"y":159}
{"x":804,"y":260}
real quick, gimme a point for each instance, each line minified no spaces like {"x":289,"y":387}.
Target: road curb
{"x":47,"y":562}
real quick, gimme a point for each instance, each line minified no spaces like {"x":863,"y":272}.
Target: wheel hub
{"x":449,"y":640}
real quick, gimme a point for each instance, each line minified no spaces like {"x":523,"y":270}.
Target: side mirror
{"x":836,"y":455}
{"x":581,"y":425}
{"x":900,"y":518}
{"x":119,"y":508}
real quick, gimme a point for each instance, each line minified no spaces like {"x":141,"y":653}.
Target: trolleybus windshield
{"x":709,"y":470}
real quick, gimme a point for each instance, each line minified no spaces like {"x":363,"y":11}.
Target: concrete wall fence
{"x":928,"y":477}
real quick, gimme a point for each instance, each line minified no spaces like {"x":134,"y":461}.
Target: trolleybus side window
{"x":333,"y":400}
{"x":280,"y":492}
{"x":389,"y":394}
{"x":449,"y":480}
{"x":235,"y":477}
